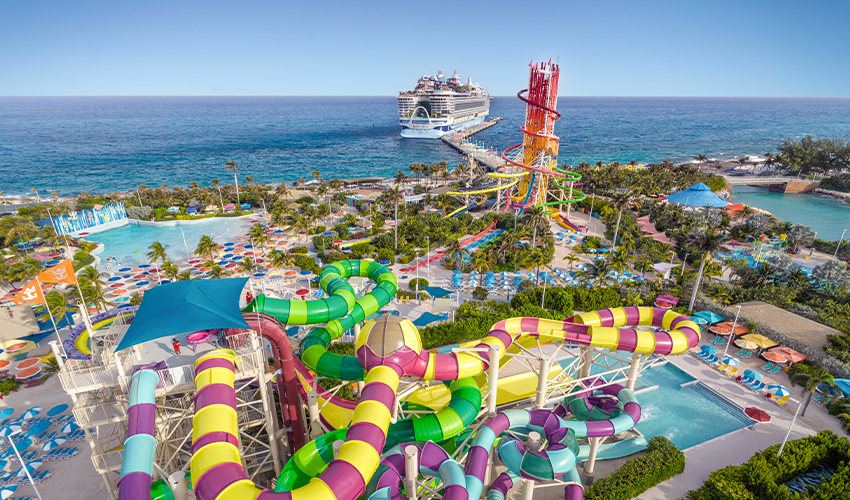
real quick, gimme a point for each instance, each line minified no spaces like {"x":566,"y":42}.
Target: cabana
{"x":173,"y":210}
{"x":698,"y":195}
{"x":246,"y":206}
{"x":229,"y":208}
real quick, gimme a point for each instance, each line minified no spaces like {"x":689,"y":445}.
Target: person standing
{"x":176,"y":344}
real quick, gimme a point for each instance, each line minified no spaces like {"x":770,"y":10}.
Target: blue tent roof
{"x":186,"y":306}
{"x":844,"y":385}
{"x":428,"y":318}
{"x":698,"y":195}
{"x":436,"y":291}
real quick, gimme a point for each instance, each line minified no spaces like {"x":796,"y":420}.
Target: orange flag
{"x":31,"y":293}
{"x":60,"y":273}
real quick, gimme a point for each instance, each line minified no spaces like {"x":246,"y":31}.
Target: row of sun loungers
{"x":60,"y":454}
{"x":26,"y":455}
{"x":38,"y":477}
{"x":732,"y":371}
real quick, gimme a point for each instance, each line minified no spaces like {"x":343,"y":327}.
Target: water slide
{"x":137,"y":464}
{"x":346,"y":477}
{"x":76,"y":343}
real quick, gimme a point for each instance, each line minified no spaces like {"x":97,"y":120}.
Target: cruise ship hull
{"x":422,"y":129}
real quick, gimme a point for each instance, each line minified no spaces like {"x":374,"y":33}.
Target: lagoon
{"x":826,"y":216}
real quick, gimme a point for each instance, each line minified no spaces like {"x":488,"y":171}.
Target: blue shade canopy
{"x":710,"y":316}
{"x":186,"y":306}
{"x":436,"y":291}
{"x":710,"y":349}
{"x":428,"y":318}
{"x":698,"y":195}
{"x":844,"y":385}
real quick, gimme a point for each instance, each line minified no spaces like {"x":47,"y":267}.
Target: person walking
{"x":176,"y":344}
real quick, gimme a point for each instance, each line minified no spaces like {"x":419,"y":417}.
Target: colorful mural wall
{"x":87,"y":219}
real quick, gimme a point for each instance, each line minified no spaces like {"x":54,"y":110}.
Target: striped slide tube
{"x":216,"y":461}
{"x":433,"y":461}
{"x":137,"y":463}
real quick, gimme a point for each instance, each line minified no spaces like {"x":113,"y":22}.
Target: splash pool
{"x":124,"y":242}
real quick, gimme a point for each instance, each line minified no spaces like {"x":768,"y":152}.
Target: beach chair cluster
{"x":63,"y":419}
{"x":7,"y":478}
{"x":717,"y":341}
{"x":45,"y":437}
{"x":58,"y":454}
{"x":771,"y":368}
{"x":76,"y":436}
{"x":26,"y":455}
{"x":38,"y":477}
{"x":704,"y":354}
{"x":743,"y":354}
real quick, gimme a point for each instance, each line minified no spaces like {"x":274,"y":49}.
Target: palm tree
{"x":415,"y":169}
{"x":455,"y":250}
{"x":258,"y":236}
{"x":279,"y":218}
{"x":50,"y":368}
{"x":170,"y":270}
{"x":706,"y":243}
{"x":400,"y":177}
{"x":281,"y":259}
{"x":810,"y":384}
{"x":248,"y":266}
{"x":535,"y":258}
{"x":572,"y":259}
{"x":620,"y":259}
{"x":16,"y":229}
{"x":481,"y":262}
{"x":217,"y":184}
{"x":59,"y":304}
{"x":392,"y":197}
{"x":206,"y":247}
{"x":535,"y":217}
{"x":719,"y":293}
{"x":34,"y":190}
{"x":282,"y":190}
{"x":216,"y":272}
{"x":95,"y":294}
{"x":157,"y":252}
{"x":700,"y":158}
{"x":597,"y":271}
{"x":184,"y":276}
{"x":24,"y":270}
{"x":231,"y":165}
{"x":620,"y":202}
{"x":316,"y":175}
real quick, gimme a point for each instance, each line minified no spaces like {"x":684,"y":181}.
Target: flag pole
{"x":86,"y":318}
{"x":49,"y":312}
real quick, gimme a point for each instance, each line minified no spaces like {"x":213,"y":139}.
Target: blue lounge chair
{"x":775,"y":369}
{"x":767,"y":366}
{"x":746,"y":355}
{"x":757,"y":385}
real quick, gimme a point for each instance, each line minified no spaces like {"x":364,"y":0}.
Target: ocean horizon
{"x":107,"y":144}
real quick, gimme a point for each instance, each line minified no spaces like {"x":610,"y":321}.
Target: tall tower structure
{"x":538,"y":152}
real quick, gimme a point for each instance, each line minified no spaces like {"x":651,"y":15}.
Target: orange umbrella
{"x":739,"y":330}
{"x":772,"y":356}
{"x":790,"y":354}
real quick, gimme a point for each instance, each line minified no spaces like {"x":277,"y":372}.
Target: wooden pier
{"x":457,"y":140}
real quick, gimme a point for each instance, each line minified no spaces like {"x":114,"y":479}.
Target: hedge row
{"x":762,"y":477}
{"x":661,"y":462}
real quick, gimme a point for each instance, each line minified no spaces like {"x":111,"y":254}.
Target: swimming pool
{"x":688,"y":415}
{"x":123,"y":242}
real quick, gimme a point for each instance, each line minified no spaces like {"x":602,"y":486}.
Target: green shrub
{"x":359,"y":250}
{"x":307,"y":264}
{"x":384,"y":240}
{"x":321,"y":229}
{"x":378,"y":221}
{"x":405,"y":259}
{"x":342,"y":231}
{"x":321,"y":243}
{"x":661,"y":462}
{"x":386,"y":254}
{"x":9,"y":385}
{"x":298,"y":250}
{"x":421,"y":281}
{"x":480,"y":293}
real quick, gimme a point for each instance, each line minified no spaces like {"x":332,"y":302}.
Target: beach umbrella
{"x":38,"y":428}
{"x":731,"y":360}
{"x":757,"y":414}
{"x":753,"y":374}
{"x":790,"y":354}
{"x":6,"y":491}
{"x":779,"y":390}
{"x":69,"y":428}
{"x":125,"y":269}
{"x":710,"y":349}
{"x":229,"y":244}
{"x":9,"y":430}
{"x":5,"y":412}
{"x":746,"y":344}
{"x":30,"y":466}
{"x":53,"y":443}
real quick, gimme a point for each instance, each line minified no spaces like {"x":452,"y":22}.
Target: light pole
{"x":24,"y":465}
{"x":732,"y":335}
{"x":184,"y":244}
{"x":812,"y":249}
{"x":839,"y":244}
{"x":590,"y":214}
{"x":427,"y":256}
{"x":787,"y":434}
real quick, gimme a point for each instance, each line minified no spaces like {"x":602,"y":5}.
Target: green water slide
{"x":340,"y":311}
{"x":463,"y":408}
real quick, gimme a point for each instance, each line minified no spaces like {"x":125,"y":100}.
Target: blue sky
{"x":606,"y":48}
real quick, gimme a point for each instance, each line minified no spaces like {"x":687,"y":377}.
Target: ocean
{"x":105,"y":144}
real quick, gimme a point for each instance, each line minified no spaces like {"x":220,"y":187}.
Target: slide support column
{"x":411,"y":470}
{"x":633,"y":371}
{"x":527,"y":489}
{"x":268,"y":403}
{"x":587,"y":355}
{"x":542,"y":380}
{"x":591,"y":458}
{"x":313,"y":408}
{"x":493,"y":381}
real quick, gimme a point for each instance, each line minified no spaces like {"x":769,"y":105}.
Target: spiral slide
{"x":345,"y":477}
{"x":137,"y":465}
{"x":76,"y":343}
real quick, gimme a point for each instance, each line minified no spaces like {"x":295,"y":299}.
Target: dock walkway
{"x":458,"y":141}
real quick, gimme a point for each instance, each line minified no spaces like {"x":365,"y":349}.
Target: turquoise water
{"x":827,"y":216}
{"x":123,"y":242}
{"x":687,"y":416}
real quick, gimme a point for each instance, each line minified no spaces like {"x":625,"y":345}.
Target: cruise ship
{"x":439,"y":105}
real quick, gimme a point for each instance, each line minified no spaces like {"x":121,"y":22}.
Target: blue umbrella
{"x":69,"y":428}
{"x":30,"y":466}
{"x":6,"y":491}
{"x":229,"y":244}
{"x":142,"y":283}
{"x":38,"y":428}
{"x":753,"y":374}
{"x":125,"y":269}
{"x":114,"y":278}
{"x":5,"y":412}
{"x":56,"y":410}
{"x":384,"y":262}
{"x":306,"y":273}
{"x":53,"y":443}
{"x":222,"y":263}
{"x":9,"y":430}
{"x":779,"y":390}
{"x":23,"y":444}
{"x":249,"y":246}
{"x":228,"y":256}
{"x":144,"y":266}
{"x":710,"y":349}
{"x":259,"y":275}
{"x":122,"y":299}
{"x":31,"y":413}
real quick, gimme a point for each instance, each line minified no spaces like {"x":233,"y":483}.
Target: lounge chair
{"x":780,"y":400}
{"x":746,"y":355}
{"x":740,"y":353}
{"x":756,"y":385}
{"x":731,"y":371}
{"x":768,"y":366}
{"x":775,"y":369}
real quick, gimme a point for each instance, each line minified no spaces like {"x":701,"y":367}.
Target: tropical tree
{"x":455,"y":250}
{"x":810,"y":384}
{"x":401,"y":178}
{"x":258,"y":236}
{"x":184,"y":275}
{"x":24,"y":270}
{"x":621,"y":201}
{"x":170,"y":270}
{"x":246,"y":265}
{"x":281,"y":259}
{"x":535,"y":218}
{"x":157,"y":252}
{"x":59,"y":304}
{"x":572,"y":259}
{"x":481,"y":262}
{"x":217,"y":185}
{"x":534,"y":259}
{"x":207,"y":247}
{"x":597,"y":271}
{"x":392,"y":197}
{"x":705,"y":243}
{"x":231,"y":165}
{"x":216,"y":272}
{"x":15,"y":229}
